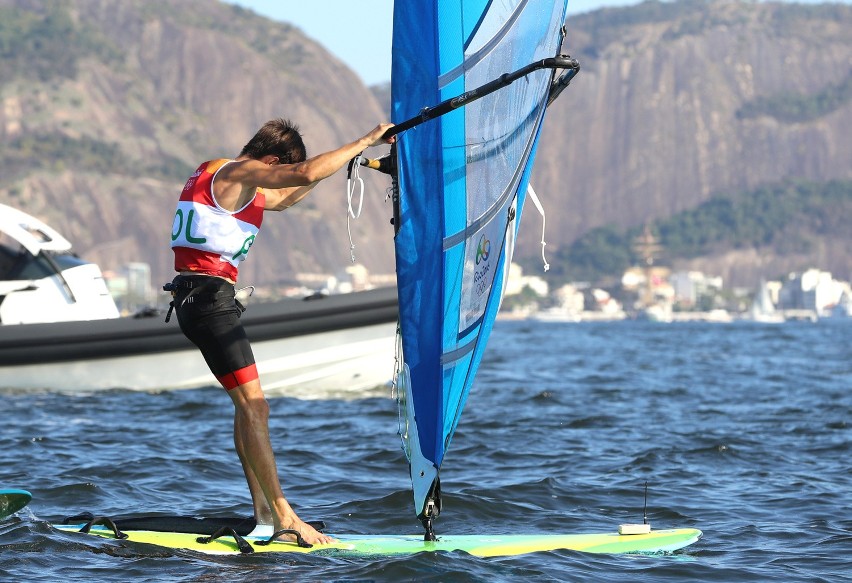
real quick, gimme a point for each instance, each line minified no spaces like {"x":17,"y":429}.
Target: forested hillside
{"x":786,"y":221}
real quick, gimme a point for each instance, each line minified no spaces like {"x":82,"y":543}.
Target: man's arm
{"x":287,"y":184}
{"x":284,"y":198}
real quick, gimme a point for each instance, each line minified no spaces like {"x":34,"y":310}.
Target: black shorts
{"x":209,"y":316}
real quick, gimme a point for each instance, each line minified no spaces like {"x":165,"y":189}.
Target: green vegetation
{"x":599,"y":252}
{"x":796,"y":107}
{"x":42,"y":41}
{"x":58,"y":152}
{"x":45,"y":45}
{"x":784,"y":216}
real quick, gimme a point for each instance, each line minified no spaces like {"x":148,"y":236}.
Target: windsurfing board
{"x":656,"y":541}
{"x":13,"y":500}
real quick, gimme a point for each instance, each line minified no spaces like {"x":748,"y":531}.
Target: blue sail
{"x":461,"y":183}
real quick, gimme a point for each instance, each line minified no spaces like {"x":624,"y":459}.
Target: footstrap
{"x":299,"y":540}
{"x":242,"y":544}
{"x":103,"y":521}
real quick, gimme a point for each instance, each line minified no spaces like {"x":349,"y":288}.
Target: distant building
{"x":633,"y":279}
{"x":131,"y":288}
{"x":651,"y":285}
{"x":604,"y":302}
{"x":813,"y":290}
{"x":689,"y":286}
{"x":138,"y":284}
{"x":518,"y":281}
{"x":570,"y":299}
{"x":349,"y":279}
{"x":359,"y":277}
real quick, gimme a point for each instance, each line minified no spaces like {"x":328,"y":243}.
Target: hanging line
{"x":353,"y":181}
{"x":537,"y":204}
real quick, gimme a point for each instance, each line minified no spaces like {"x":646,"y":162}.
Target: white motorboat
{"x":61,"y":331}
{"x":41,"y":280}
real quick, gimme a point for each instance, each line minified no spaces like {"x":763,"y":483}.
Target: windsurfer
{"x":217,"y":219}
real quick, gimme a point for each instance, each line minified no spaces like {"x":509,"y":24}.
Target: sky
{"x":359,"y":33}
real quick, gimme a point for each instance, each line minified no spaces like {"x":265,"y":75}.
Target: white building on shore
{"x":813,"y":290}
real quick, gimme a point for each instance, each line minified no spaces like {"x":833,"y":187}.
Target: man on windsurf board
{"x":218,"y":216}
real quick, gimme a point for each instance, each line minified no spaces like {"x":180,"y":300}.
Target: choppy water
{"x":743,"y":431}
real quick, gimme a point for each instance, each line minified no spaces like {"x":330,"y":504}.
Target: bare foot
{"x":309,"y":533}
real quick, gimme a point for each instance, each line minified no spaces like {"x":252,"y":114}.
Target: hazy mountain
{"x":107,"y":107}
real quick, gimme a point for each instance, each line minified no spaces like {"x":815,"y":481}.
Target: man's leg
{"x":251,"y":438}
{"x":262,"y":512}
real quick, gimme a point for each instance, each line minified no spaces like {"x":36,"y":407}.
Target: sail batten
{"x":487,"y":46}
{"x":476,"y":225}
{"x":461,"y":181}
{"x":454,"y":356}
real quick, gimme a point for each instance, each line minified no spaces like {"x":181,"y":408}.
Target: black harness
{"x":192,"y":287}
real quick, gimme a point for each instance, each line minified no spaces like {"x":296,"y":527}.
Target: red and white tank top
{"x":207,"y":238}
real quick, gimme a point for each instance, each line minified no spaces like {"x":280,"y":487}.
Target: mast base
{"x":431,"y":510}
{"x":429,"y":536}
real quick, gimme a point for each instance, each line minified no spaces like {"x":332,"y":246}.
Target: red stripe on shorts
{"x":239,"y":377}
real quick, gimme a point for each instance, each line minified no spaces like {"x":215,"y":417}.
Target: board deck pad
{"x":657,"y":541}
{"x":13,"y":500}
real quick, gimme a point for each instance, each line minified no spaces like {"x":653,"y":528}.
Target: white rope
{"x":537,"y":204}
{"x":352,"y":182}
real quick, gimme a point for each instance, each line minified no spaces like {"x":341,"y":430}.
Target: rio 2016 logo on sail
{"x":483,"y":252}
{"x":483,"y":249}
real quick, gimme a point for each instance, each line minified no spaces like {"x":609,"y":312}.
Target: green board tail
{"x":11,"y":501}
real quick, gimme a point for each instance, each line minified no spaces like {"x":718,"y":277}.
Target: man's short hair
{"x":279,"y":137}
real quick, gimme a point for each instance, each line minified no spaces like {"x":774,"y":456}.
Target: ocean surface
{"x":742,"y":430}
